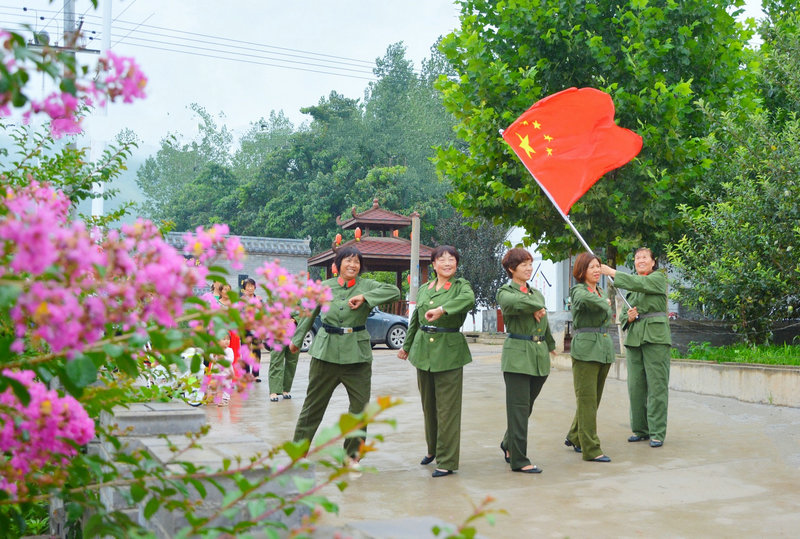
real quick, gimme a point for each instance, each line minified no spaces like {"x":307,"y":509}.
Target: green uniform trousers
{"x":323,"y":378}
{"x":589,"y":379}
{"x":521,"y":392}
{"x":282,"y":366}
{"x":648,"y":388}
{"x":441,"y":407}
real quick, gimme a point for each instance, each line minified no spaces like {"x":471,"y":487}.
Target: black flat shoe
{"x":573,"y":446}
{"x":427,"y":460}
{"x":503,"y":449}
{"x":601,"y":458}
{"x":656,"y":443}
{"x":287,"y":396}
{"x":637,"y":438}
{"x":535,"y":469}
{"x":441,"y":473}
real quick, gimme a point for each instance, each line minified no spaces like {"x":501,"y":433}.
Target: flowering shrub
{"x":116,"y":78}
{"x":39,"y":436}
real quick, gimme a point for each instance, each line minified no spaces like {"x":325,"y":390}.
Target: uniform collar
{"x":447,"y":284}
{"x":349,"y":284}
{"x":521,"y":287}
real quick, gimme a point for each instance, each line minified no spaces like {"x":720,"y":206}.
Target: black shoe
{"x":656,"y":443}
{"x":287,"y":396}
{"x":573,"y":446}
{"x":427,"y":460}
{"x":504,"y":450}
{"x":535,"y":469}
{"x":258,"y":379}
{"x":637,"y":438}
{"x":441,"y":473}
{"x":601,"y":458}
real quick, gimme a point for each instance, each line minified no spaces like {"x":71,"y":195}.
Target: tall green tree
{"x":738,"y":260}
{"x":655,"y":58}
{"x":165,"y":177}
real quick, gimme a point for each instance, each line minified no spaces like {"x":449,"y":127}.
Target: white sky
{"x":243,"y":90}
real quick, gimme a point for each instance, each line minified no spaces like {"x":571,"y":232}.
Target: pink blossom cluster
{"x":37,"y":439}
{"x":126,"y":278}
{"x":206,"y":245}
{"x":117,"y":77}
{"x":288,"y":294}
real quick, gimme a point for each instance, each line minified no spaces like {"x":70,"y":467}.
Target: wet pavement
{"x":727,"y":468}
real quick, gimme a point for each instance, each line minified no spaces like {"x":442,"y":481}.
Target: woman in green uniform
{"x":526,"y":355}
{"x":592,"y":354}
{"x":646,"y":346}
{"x":439,"y":351}
{"x":282,"y":367}
{"x":341,"y":351}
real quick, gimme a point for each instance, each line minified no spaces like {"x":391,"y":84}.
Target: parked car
{"x":383,"y":328}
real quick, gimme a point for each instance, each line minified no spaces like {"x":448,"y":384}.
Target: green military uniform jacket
{"x":437,"y":352}
{"x":590,"y":310}
{"x":349,"y":347}
{"x":519,"y":355}
{"x":648,"y":293}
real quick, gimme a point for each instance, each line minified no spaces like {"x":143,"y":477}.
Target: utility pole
{"x":97,"y":146}
{"x":414,"y":274}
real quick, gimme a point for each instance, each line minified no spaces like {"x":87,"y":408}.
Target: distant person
{"x":592,"y":354}
{"x":526,"y":355}
{"x":341,"y":351}
{"x":439,"y":351}
{"x":282,"y":367}
{"x":646,"y":346}
{"x":254,"y":344}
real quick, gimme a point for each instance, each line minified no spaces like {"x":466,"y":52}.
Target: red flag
{"x":568,"y":140}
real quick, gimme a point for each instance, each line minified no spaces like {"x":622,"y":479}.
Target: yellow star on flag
{"x":536,"y":125}
{"x":525,"y":145}
{"x":549,"y":151}
{"x":548,"y":138}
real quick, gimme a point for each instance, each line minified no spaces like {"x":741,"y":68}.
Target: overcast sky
{"x":322,"y":46}
{"x":227,"y":44}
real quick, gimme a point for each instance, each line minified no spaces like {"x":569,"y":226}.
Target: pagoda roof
{"x":375,"y":218}
{"x":379,"y":253}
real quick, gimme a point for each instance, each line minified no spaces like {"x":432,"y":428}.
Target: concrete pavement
{"x":727,"y":468}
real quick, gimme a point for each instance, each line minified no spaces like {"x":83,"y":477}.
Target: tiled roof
{"x":257,"y":245}
{"x":375,"y":218}
{"x":375,"y":249}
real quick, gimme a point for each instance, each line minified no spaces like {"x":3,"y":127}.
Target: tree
{"x":654,"y":58}
{"x":165,"y":177}
{"x":738,"y":260}
{"x":480,"y":245}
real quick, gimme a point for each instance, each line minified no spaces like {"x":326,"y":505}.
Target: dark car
{"x":383,"y":328}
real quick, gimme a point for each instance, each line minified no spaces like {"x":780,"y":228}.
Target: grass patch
{"x":742,"y":353}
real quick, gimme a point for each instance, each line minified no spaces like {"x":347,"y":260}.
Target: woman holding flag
{"x":646,"y":346}
{"x":592,"y":355}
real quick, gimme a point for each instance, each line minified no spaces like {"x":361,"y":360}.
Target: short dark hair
{"x":582,"y":262}
{"x":248,"y":281}
{"x":514,"y":258}
{"x":649,"y":250}
{"x":442,"y":249}
{"x":347,"y":252}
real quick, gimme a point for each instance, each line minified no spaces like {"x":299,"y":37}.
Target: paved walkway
{"x":727,"y":469}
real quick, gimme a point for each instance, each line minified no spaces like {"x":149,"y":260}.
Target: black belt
{"x":650,"y":315}
{"x":537,"y":338}
{"x":591,"y":330}
{"x":437,"y":329}
{"x":341,"y":331}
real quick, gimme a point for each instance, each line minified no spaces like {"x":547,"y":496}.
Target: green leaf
{"x":152,"y":506}
{"x":296,"y":450}
{"x":81,"y":371}
{"x":138,"y":492}
{"x":8,"y":295}
{"x":113,"y":350}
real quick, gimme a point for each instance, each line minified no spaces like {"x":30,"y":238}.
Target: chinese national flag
{"x":568,"y":140}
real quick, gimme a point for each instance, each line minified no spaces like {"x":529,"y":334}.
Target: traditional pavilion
{"x":379,"y":243}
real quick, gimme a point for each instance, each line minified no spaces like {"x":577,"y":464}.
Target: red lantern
{"x":358,"y":233}
{"x":408,"y":278}
{"x":338,"y":239}
{"x":395,"y":233}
